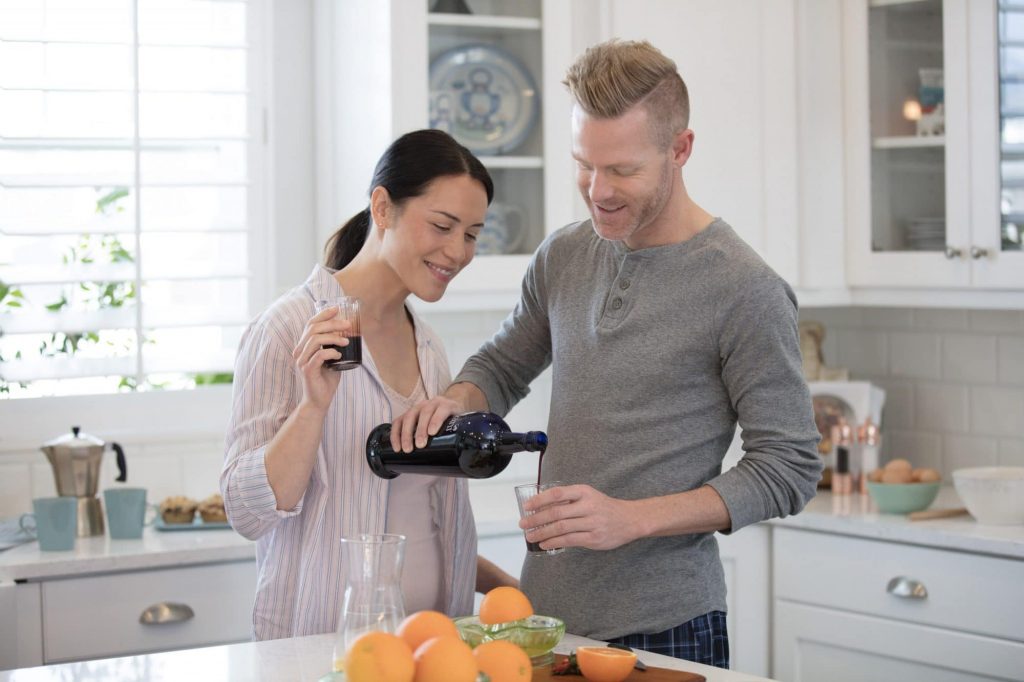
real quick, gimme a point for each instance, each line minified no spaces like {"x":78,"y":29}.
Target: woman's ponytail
{"x":344,"y":244}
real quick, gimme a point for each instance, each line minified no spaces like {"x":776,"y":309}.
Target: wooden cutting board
{"x":651,"y":675}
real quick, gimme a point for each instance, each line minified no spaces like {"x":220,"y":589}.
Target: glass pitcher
{"x":373,"y":589}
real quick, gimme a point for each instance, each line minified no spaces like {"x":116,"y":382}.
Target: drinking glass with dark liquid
{"x":348,"y":309}
{"x":524,"y":493}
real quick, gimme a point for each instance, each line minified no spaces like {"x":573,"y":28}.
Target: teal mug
{"x":126,"y":512}
{"x":55,"y":520}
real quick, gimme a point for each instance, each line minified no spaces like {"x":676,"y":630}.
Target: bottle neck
{"x":532,"y":441}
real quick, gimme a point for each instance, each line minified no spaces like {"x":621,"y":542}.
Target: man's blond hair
{"x":612,"y":77}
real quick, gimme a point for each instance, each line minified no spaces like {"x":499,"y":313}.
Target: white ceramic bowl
{"x":993,"y":495}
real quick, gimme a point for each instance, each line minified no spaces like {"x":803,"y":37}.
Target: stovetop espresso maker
{"x":76,"y":459}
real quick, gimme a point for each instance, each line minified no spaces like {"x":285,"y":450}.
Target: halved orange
{"x":604,"y":664}
{"x":504,"y":604}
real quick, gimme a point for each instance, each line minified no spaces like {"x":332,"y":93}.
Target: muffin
{"x":212,"y":509}
{"x":178,"y":509}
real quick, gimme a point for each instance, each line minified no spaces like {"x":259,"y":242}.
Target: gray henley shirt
{"x":656,"y":355}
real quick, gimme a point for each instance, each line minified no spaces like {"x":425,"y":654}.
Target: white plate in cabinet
{"x":957,"y":590}
{"x":813,"y":644}
{"x":99,"y":616}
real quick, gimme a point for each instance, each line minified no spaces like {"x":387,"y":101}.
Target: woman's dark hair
{"x":405,"y":170}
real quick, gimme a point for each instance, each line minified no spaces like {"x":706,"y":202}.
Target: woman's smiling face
{"x":433,"y":236}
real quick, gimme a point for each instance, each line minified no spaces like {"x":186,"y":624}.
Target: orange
{"x":603,"y":664}
{"x":504,"y":604}
{"x":379,"y":657}
{"x":422,"y":625}
{"x":503,"y":661}
{"x":445,"y":659}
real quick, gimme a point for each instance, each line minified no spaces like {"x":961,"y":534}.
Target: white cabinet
{"x":924,"y":210}
{"x":98,"y":616}
{"x":743,"y":66}
{"x":813,"y":643}
{"x":374,"y":71}
{"x":859,"y":609}
{"x":21,"y":641}
{"x":746,"y":558}
{"x":212,"y":604}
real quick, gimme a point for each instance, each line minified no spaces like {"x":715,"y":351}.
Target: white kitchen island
{"x":302,"y":659}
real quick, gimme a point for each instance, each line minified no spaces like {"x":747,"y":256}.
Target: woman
{"x":295,"y":476}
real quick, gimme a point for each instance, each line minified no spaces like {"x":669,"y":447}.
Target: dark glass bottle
{"x":471,"y":445}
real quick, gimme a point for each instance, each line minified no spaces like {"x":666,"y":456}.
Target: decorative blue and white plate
{"x":484,"y":97}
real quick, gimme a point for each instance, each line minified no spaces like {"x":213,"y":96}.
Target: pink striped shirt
{"x":301,"y":577}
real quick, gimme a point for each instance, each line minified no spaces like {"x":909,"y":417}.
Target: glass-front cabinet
{"x":934,"y":92}
{"x":1011,"y":124}
{"x":488,"y":72}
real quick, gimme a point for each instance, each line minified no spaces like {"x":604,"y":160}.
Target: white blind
{"x":128,"y":202}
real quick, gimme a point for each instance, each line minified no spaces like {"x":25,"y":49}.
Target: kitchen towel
{"x":12,"y":535}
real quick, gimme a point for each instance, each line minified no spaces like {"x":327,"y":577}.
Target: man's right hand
{"x":421,"y":421}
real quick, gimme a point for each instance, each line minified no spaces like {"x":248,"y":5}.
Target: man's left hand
{"x":580,"y":516}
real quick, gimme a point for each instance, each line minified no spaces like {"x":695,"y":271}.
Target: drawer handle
{"x":907,"y":588}
{"x":166,"y":612}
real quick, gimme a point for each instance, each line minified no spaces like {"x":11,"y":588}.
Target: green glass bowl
{"x":536,"y":635}
{"x":903,"y":498}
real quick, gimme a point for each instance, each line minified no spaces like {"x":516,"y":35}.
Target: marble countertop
{"x":858,"y":516}
{"x":302,"y":659}
{"x":100,"y":554}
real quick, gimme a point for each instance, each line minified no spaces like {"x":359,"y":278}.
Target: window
{"x":131,"y":214}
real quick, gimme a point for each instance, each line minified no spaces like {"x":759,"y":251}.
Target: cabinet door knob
{"x":953,"y":252}
{"x":906,"y":588}
{"x":978,"y":252}
{"x":166,"y":612}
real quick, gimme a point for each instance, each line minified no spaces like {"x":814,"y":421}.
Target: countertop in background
{"x":853,"y":515}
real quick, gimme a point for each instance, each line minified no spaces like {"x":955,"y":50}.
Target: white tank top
{"x":412,"y":514}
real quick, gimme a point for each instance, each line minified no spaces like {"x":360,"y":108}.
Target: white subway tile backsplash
{"x":961,"y":452}
{"x":15,"y":489}
{"x":954,"y":379}
{"x":940,"y":319}
{"x":997,"y":411}
{"x":43,"y":484}
{"x":942,"y":408}
{"x":889,"y":318}
{"x":201,"y":473}
{"x":914,"y":355}
{"x":835,"y":317}
{"x":1011,"y":452}
{"x":898,"y":412}
{"x":921,"y":449}
{"x":1010,"y":360}
{"x":161,"y":476}
{"x":969,"y":358}
{"x":863,"y":352}
{"x":995,"y":320}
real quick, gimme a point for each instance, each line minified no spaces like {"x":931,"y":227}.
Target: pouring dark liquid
{"x":472,"y":445}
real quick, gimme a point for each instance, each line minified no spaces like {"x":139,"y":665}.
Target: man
{"x":664,"y":329}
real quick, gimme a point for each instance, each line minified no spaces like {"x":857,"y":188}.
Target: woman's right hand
{"x":320,"y":383}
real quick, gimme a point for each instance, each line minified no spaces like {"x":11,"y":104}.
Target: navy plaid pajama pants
{"x":704,"y":639}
